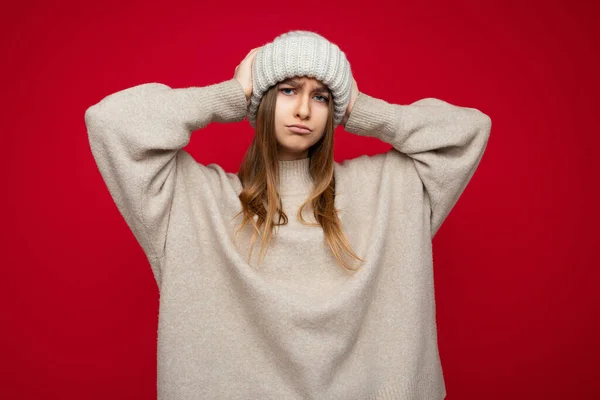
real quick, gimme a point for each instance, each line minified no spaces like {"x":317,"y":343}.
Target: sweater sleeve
{"x":135,"y":136}
{"x":445,"y":142}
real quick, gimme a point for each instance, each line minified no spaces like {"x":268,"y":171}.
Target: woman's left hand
{"x":353,"y":97}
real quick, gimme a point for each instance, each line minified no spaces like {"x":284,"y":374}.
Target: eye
{"x":323,"y":99}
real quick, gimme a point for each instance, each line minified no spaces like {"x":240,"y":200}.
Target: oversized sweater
{"x":297,"y":325}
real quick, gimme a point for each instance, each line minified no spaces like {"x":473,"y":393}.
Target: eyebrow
{"x":296,"y":83}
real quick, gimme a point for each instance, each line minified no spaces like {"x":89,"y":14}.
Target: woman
{"x":341,"y":306}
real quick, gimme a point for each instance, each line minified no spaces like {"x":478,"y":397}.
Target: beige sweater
{"x":297,"y":326}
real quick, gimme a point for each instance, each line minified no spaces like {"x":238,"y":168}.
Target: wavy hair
{"x":259,"y":172}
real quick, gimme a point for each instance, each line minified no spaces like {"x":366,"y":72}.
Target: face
{"x":301,"y":101}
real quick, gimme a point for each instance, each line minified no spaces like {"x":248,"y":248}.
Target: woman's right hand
{"x":243,"y":73}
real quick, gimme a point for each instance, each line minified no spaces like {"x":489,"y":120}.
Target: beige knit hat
{"x":301,"y":53}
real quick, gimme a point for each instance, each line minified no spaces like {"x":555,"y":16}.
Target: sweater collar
{"x":294,"y":177}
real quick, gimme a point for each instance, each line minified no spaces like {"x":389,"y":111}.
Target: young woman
{"x":339,"y":304}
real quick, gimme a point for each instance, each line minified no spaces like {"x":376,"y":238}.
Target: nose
{"x":303,"y":107}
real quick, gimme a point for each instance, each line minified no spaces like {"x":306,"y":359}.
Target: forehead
{"x":304,"y":81}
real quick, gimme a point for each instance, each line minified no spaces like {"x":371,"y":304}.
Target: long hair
{"x":259,"y":172}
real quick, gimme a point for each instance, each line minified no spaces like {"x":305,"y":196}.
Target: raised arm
{"x":135,"y":137}
{"x":446,"y":143}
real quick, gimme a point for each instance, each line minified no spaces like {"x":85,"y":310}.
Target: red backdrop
{"x":516,"y":261}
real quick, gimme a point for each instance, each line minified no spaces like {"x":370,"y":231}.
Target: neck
{"x":294,"y":177}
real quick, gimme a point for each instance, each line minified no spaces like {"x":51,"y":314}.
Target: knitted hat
{"x":301,"y":53}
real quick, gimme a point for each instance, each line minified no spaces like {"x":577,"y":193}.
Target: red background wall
{"x":516,"y":262}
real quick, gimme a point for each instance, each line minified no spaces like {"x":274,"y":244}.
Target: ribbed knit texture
{"x":301,"y":53}
{"x":297,"y":326}
{"x":294,"y":177}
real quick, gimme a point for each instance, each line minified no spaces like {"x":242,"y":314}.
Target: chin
{"x":297,"y":150}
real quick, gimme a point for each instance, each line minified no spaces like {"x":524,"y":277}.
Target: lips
{"x":299,"y":129}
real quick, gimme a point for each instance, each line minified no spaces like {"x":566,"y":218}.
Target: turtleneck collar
{"x":294,"y":177}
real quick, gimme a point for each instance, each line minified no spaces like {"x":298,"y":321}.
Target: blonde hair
{"x":258,"y":174}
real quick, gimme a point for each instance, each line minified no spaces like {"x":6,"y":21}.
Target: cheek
{"x":322,"y":115}
{"x":280,"y":112}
